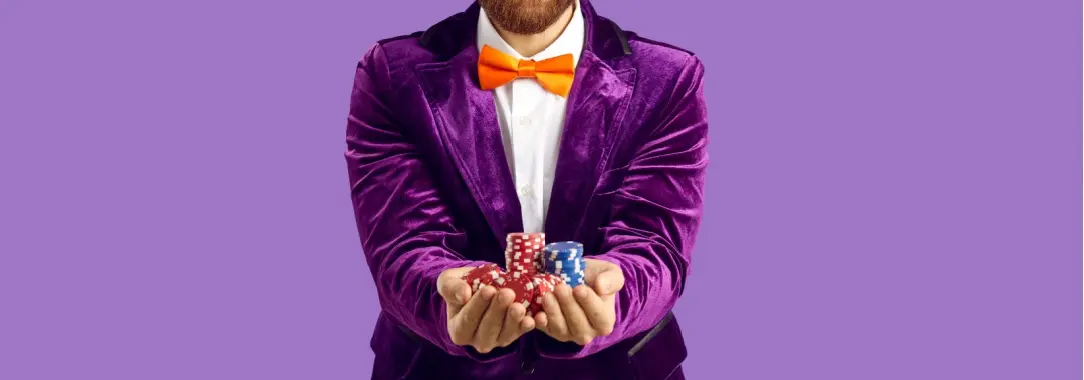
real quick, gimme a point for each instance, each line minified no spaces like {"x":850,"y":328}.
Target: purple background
{"x":895,"y":190}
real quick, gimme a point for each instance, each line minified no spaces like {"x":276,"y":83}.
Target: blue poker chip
{"x":566,"y":263}
{"x":562,"y":258}
{"x":573,"y":280}
{"x":565,"y":260}
{"x":568,"y":274}
{"x":553,"y":255}
{"x":563,"y":249}
{"x":565,"y":246}
{"x":562,"y":252}
{"x":556,"y":268}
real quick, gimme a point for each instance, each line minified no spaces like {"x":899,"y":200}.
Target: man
{"x":527,"y":116}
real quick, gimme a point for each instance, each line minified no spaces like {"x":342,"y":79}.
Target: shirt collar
{"x":570,"y":41}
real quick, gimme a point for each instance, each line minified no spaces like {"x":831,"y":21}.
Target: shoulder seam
{"x":397,"y":38}
{"x":639,"y":38}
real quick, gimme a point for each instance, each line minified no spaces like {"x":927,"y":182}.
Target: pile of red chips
{"x":523,"y":258}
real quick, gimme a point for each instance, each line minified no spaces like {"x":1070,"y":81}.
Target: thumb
{"x":455,"y":291}
{"x":453,"y":288}
{"x":462,"y":293}
{"x":609,"y":281}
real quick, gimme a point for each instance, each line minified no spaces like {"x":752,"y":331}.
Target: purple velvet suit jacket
{"x":432,"y":190}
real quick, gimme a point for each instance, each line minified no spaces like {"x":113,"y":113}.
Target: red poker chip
{"x":483,"y":275}
{"x":482,"y":271}
{"x":520,"y":285}
{"x":528,"y":270}
{"x":523,"y":253}
{"x":539,"y":285}
{"x":525,"y":261}
{"x":544,"y":283}
{"x":521,"y":241}
{"x":549,"y":281}
{"x":521,"y":256}
{"x":514,"y":275}
{"x":526,"y":235}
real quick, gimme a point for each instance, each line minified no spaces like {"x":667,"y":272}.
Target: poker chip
{"x":544,"y":283}
{"x":481,"y":276}
{"x":532,"y":269}
{"x":573,"y":279}
{"x":565,"y":260}
{"x":523,"y":252}
{"x":551,"y":280}
{"x":522,"y":286}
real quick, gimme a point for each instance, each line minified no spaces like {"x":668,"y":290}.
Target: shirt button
{"x":525,"y":190}
{"x":525,"y":121}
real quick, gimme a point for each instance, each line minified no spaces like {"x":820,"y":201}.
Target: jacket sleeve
{"x":407,"y":233}
{"x":655,"y":216}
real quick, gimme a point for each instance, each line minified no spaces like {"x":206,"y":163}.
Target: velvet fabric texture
{"x":432,"y":190}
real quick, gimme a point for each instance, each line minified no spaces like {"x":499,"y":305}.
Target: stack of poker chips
{"x":523,"y":252}
{"x":533,"y":268}
{"x":523,"y":255}
{"x":565,"y":260}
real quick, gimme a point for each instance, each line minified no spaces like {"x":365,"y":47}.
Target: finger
{"x":464,"y":324}
{"x":526,"y":324}
{"x":556,"y":326}
{"x":578,"y":327}
{"x":510,"y":331}
{"x":485,"y":338}
{"x":600,"y":319}
{"x":609,"y":281}
{"x":541,"y":322}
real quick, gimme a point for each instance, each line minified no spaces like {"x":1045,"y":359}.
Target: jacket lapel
{"x":466,"y":119}
{"x":600,"y":96}
{"x":594,"y":117}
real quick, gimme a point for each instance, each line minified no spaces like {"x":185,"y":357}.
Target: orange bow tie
{"x":496,"y":68}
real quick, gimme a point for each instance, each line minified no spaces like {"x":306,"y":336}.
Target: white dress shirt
{"x":532,"y":120}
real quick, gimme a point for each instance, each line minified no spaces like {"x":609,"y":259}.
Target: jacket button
{"x":527,"y":368}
